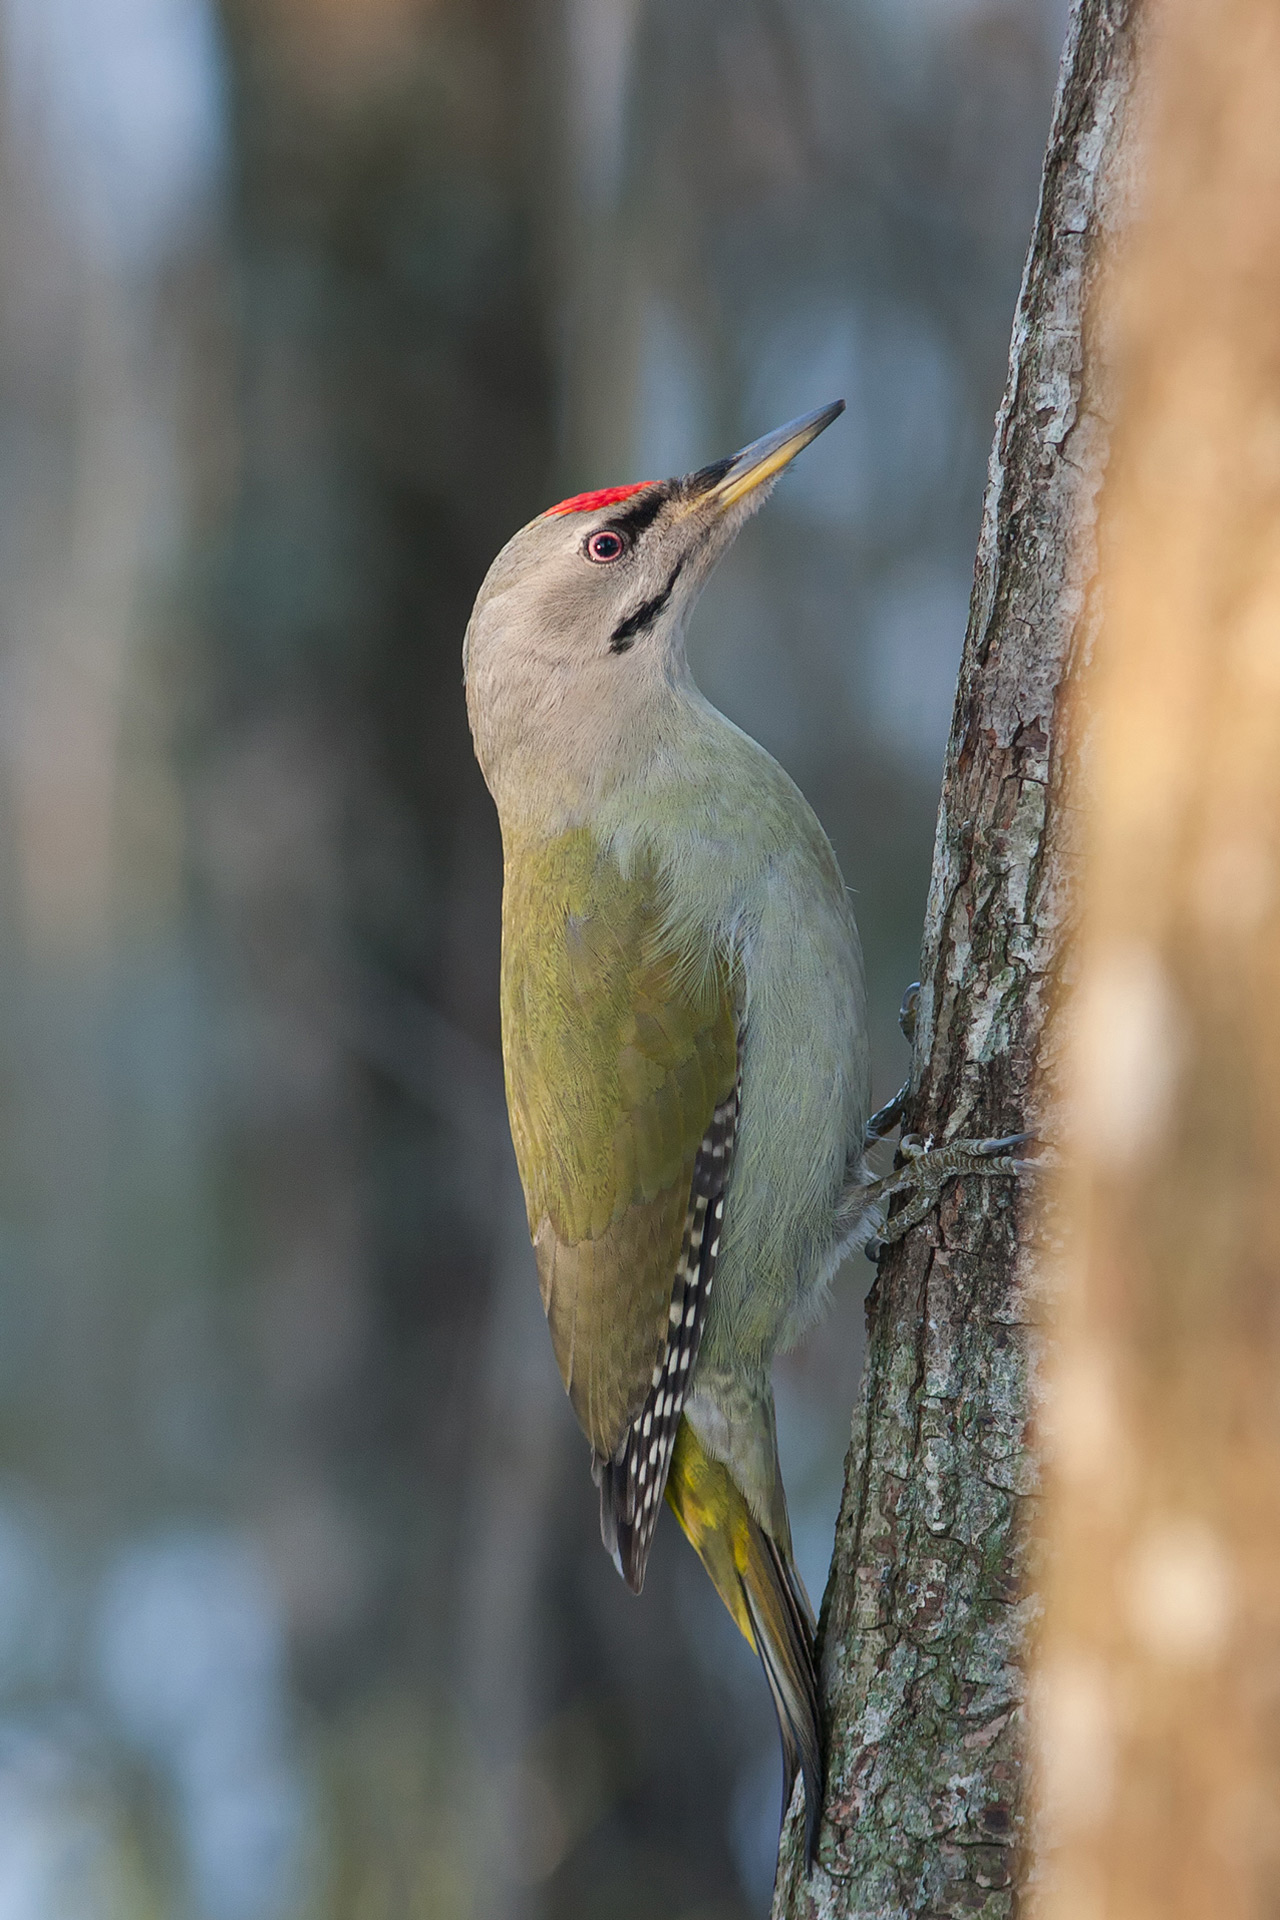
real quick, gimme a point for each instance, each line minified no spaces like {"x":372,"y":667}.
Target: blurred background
{"x":305,"y":305}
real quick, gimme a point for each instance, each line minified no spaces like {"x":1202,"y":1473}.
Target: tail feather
{"x":784,"y":1640}
{"x":627,"y":1535}
{"x":755,"y":1577}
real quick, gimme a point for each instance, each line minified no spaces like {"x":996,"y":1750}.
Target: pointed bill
{"x":732,"y":480}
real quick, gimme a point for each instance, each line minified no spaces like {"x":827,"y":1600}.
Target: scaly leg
{"x":921,"y":1169}
{"x":925,"y":1170}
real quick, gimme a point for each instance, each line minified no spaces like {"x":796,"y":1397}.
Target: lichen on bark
{"x":925,"y":1619}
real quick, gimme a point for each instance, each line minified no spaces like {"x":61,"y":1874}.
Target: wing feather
{"x":620,"y":1050}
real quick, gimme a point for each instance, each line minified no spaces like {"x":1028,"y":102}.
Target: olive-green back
{"x":617,"y":1049}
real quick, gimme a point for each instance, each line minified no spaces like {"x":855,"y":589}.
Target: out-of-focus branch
{"x":923,"y":1634}
{"x":1160,"y":1665}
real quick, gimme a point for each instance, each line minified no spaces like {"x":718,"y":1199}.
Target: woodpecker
{"x":684,"y":1034}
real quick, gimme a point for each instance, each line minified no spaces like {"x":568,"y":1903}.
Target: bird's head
{"x":578,"y":630}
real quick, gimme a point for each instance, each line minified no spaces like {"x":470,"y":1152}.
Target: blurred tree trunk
{"x":923,"y":1635}
{"x":398,"y":422}
{"x":1159,"y":1676}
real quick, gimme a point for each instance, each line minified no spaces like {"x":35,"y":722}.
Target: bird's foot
{"x":922,"y":1170}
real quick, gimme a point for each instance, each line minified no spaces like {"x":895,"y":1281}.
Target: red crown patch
{"x":602,"y":497}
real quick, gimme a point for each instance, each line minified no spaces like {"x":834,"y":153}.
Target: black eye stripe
{"x":631,"y":523}
{"x":644,"y":616}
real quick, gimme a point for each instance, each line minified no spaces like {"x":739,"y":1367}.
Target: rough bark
{"x":1159,"y":1663}
{"x":925,"y":1618}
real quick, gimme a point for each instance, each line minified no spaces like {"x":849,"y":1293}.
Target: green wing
{"x":618,"y":1050}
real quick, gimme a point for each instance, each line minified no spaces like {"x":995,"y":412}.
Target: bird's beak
{"x":732,"y":480}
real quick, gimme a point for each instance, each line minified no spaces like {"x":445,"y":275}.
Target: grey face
{"x":573,"y":586}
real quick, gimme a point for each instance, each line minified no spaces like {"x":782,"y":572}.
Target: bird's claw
{"x":887,"y":1117}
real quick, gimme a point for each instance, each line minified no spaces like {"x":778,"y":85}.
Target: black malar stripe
{"x":644,"y":616}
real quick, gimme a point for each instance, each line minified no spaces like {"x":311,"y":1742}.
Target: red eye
{"x":604,"y":546}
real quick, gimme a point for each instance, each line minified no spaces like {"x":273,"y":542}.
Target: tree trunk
{"x":924,"y":1622}
{"x":1159,"y":1669}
